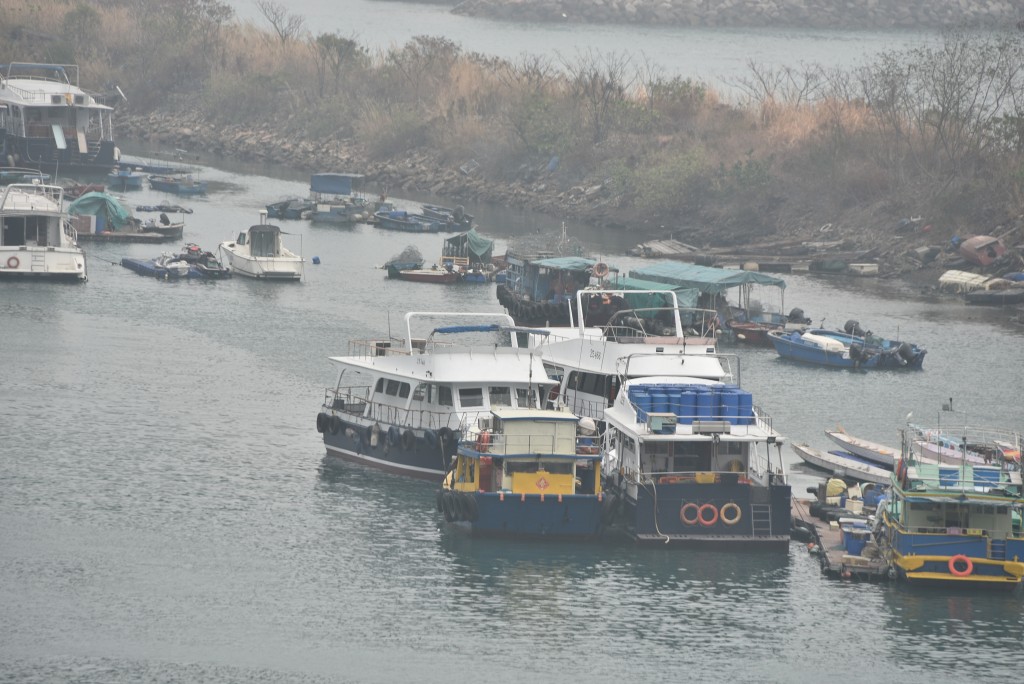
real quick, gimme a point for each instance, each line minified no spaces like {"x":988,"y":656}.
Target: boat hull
{"x":530,"y":516}
{"x":44,"y":153}
{"x":47,"y":263}
{"x":376,"y":446}
{"x":876,"y":453}
{"x":763,"y":519}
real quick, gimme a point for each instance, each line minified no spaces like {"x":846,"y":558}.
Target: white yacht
{"x":36,"y":237}
{"x":259,"y":253}
{"x":619,"y":334}
{"x":402,"y":405}
{"x":46,"y":119}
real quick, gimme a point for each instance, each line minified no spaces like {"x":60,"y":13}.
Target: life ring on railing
{"x":702,"y":519}
{"x":13,"y":262}
{"x":954,"y":565}
{"x":730,"y":518}
{"x":483,"y":441}
{"x":687,"y":520}
{"x":600,"y":269}
{"x":408,"y":440}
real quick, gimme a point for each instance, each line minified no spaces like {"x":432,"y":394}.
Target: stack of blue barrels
{"x":691,"y":402}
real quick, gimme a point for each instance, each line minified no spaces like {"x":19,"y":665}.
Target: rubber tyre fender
{"x":470,"y":509}
{"x":430,"y":437}
{"x":448,"y":506}
{"x":321,"y":422}
{"x":408,"y":440}
{"x":394,"y":435}
{"x":335,"y":425}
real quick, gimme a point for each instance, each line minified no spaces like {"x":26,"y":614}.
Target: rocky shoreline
{"x":419,"y":171}
{"x":848,"y":14}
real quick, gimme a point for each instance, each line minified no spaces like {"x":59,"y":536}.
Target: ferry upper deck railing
{"x":15,"y":191}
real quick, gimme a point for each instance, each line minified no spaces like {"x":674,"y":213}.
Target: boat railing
{"x":539,"y":445}
{"x":52,"y":193}
{"x":354,"y":401}
{"x":988,"y":480}
{"x":699,"y":477}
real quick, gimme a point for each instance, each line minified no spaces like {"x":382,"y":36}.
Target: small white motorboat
{"x":259,"y":253}
{"x":846,"y":465}
{"x":870,"y":451}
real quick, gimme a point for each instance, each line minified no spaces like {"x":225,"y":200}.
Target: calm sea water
{"x":717,"y":55}
{"x":167,"y":513}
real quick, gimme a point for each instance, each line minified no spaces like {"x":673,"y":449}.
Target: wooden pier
{"x":825,"y":541}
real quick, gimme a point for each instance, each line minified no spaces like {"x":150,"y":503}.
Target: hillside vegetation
{"x":936,"y":132}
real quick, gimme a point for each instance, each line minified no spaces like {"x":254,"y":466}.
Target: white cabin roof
{"x":474,"y":366}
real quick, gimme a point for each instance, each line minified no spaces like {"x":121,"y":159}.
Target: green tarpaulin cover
{"x":101,"y":204}
{"x":470,"y":244}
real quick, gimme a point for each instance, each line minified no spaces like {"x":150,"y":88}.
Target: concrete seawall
{"x":845,"y":14}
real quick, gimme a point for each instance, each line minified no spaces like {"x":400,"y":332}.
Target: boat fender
{"x":459,"y":505}
{"x":707,"y":515}
{"x":13,"y":262}
{"x":960,"y":566}
{"x":408,"y":440}
{"x":373,"y":434}
{"x":321,"y":421}
{"x":731,"y":513}
{"x":439,"y":501}
{"x":449,"y":444}
{"x":448,"y":504}
{"x":906,"y":351}
{"x":431,"y":438}
{"x":394,"y":435}
{"x":685,"y":513}
{"x":335,"y":425}
{"x":470,"y":510}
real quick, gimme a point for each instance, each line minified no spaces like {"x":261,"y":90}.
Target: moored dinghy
{"x":259,"y":253}
{"x":870,"y":451}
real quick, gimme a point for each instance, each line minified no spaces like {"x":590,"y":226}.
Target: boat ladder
{"x":38,"y":262}
{"x":997,"y":549}
{"x":761,"y":519}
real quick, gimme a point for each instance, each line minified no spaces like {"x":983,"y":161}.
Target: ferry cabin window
{"x":444,"y":395}
{"x":501,"y":396}
{"x":554,"y":372}
{"x":422,"y":393}
{"x":525,"y":397}
{"x":379,"y":389}
{"x":263,"y":244}
{"x":470,"y":397}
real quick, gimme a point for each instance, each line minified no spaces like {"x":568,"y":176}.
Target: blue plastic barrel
{"x":687,"y":407}
{"x":746,"y":408}
{"x":705,"y":405}
{"x":643,"y":405}
{"x":659,"y":402}
{"x":730,"y":406}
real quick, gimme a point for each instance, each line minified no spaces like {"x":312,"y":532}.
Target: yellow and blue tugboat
{"x":949,"y":523}
{"x":526,"y":473}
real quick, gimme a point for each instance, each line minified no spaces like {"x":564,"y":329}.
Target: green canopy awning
{"x":704,"y":278}
{"x":471,"y":245}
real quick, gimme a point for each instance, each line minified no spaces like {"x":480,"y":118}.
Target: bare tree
{"x":285,"y":24}
{"x":331,"y":52}
{"x":598,"y":82}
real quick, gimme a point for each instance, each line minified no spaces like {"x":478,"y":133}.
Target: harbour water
{"x":167,"y":512}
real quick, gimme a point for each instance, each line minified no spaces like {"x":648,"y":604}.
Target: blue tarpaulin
{"x":333,"y":183}
{"x":704,"y":278}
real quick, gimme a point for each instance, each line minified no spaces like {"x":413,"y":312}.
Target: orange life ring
{"x":714,"y":515}
{"x":13,"y":262}
{"x":600,"y":269}
{"x":731,"y":519}
{"x":696,"y":514}
{"x":483,"y":441}
{"x":954,"y":563}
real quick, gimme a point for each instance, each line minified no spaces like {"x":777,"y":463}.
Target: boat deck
{"x":115,"y":236}
{"x":827,"y":543}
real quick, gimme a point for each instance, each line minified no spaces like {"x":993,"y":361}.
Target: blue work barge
{"x":148,"y":267}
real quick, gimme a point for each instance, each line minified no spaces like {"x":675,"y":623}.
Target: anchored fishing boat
{"x":955,"y":524}
{"x":525,"y":473}
{"x":690,"y":463}
{"x":853,"y":348}
{"x":36,"y":236}
{"x":402,"y":405}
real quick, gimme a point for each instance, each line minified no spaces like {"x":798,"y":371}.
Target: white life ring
{"x":600,"y":269}
{"x":13,"y":262}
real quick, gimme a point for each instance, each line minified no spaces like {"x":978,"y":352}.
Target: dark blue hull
{"x":44,"y":153}
{"x":530,"y":516}
{"x":740,"y":515}
{"x":423,"y":454}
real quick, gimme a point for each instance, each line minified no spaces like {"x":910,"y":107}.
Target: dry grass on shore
{"x":802,"y":148}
